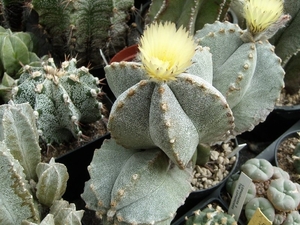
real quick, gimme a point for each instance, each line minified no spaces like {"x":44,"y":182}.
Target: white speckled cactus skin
{"x":248,"y":74}
{"x":127,"y":185}
{"x":62,"y":98}
{"x":173,"y":115}
{"x":29,"y":187}
{"x":240,"y":77}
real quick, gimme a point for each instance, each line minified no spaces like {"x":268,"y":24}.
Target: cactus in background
{"x":16,"y":49}
{"x":81,"y":28}
{"x":287,"y":45}
{"x":62,"y":98}
{"x":196,"y":13}
{"x":11,"y":12}
{"x":274,"y":193}
{"x":124,"y":182}
{"x":212,"y":216}
{"x":28,"y":187}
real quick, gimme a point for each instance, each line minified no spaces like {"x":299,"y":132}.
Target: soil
{"x":216,"y":169}
{"x":287,"y":99}
{"x":284,"y":157}
{"x":90,"y":132}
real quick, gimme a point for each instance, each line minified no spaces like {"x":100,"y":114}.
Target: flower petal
{"x":166,"y":51}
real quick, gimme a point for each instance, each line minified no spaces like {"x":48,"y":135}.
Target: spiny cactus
{"x":271,"y":190}
{"x":28,"y":186}
{"x":13,"y":15}
{"x":62,"y":98}
{"x":210,"y":215}
{"x":82,"y":28}
{"x":196,"y":13}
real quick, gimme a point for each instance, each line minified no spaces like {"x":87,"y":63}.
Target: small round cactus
{"x":211,"y":215}
{"x":271,"y":190}
{"x":62,"y":98}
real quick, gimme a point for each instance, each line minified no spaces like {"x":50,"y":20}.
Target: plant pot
{"x":77,"y":162}
{"x":284,"y":150}
{"x":198,"y":194}
{"x":276,"y":123}
{"x":214,"y":198}
{"x":288,"y":112}
{"x":126,"y":54}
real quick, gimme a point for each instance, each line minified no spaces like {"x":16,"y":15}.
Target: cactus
{"x":274,"y":193}
{"x":176,"y":96}
{"x":124,"y":181}
{"x":11,"y":12}
{"x":287,"y":45}
{"x":62,"y":98}
{"x":247,"y":68}
{"x":212,"y":216}
{"x":196,"y":13}
{"x":81,"y":28}
{"x":17,"y":49}
{"x":29,"y":187}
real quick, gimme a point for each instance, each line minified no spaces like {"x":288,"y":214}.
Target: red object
{"x":126,"y":54}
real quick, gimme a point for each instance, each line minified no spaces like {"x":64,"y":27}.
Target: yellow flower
{"x":260,"y":14}
{"x":165,"y":51}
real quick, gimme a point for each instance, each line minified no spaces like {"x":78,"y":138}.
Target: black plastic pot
{"x":270,"y":152}
{"x":293,"y":133}
{"x":214,"y":197}
{"x":288,"y":112}
{"x":277,"y":122}
{"x":196,"y":197}
{"x":77,"y":162}
{"x":205,"y":192}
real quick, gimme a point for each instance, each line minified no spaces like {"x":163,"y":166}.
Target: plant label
{"x":239,"y":195}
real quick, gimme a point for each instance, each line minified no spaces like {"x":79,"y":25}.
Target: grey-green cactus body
{"x":29,"y":187}
{"x":17,"y":49}
{"x":174,"y":115}
{"x":246,"y":72}
{"x":62,"y":98}
{"x":129,"y":185}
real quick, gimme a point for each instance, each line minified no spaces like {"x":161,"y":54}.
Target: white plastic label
{"x":239,"y":195}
